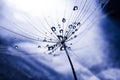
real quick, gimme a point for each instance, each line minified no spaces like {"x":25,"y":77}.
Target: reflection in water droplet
{"x":63,"y":20}
{"x":75,"y":8}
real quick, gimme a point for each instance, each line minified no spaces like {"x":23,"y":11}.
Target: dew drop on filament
{"x":50,"y":48}
{"x":75,"y":36}
{"x":70,"y":26}
{"x":59,"y":25}
{"x":61,"y":48}
{"x":61,"y":31}
{"x":53,"y":29}
{"x":75,"y":8}
{"x":78,"y":24}
{"x":60,"y":37}
{"x":39,"y":46}
{"x":73,"y":32}
{"x":44,"y":40}
{"x":16,"y":46}
{"x":63,"y":20}
{"x":74,"y":27}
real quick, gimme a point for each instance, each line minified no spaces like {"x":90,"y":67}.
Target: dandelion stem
{"x":71,"y":64}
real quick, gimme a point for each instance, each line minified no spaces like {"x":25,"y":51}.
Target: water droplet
{"x":44,"y":40}
{"x":39,"y":46}
{"x":70,"y":43}
{"x":47,"y":45}
{"x":74,"y":27}
{"x":74,"y":23}
{"x":63,"y":20}
{"x":62,"y":48}
{"x":53,"y":29}
{"x":69,"y":48}
{"x":75,"y":8}
{"x":55,"y":45}
{"x":50,"y":48}
{"x":66,"y":32}
{"x":16,"y":46}
{"x":70,"y":26}
{"x":75,"y":36}
{"x":59,"y":25}
{"x":50,"y":39}
{"x":61,"y":31}
{"x":55,"y":54}
{"x":50,"y":53}
{"x":60,"y":37}
{"x":78,"y":24}
{"x":73,"y":32}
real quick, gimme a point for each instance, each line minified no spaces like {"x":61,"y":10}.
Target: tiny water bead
{"x":61,"y":31}
{"x":73,"y":32}
{"x":39,"y":46}
{"x":53,"y":29}
{"x":62,"y":48}
{"x":78,"y":24}
{"x":75,"y":36}
{"x":76,"y":29}
{"x":60,"y":37}
{"x":70,"y":43}
{"x":59,"y":25}
{"x":50,"y":47}
{"x":45,"y":40}
{"x":16,"y":46}
{"x":63,"y":20}
{"x":75,"y":8}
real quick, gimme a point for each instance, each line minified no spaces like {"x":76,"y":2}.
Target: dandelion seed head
{"x":57,"y":25}
{"x":52,"y":27}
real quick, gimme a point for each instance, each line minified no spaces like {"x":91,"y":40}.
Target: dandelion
{"x":59,"y":27}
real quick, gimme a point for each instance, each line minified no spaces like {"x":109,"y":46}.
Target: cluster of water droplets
{"x":59,"y":35}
